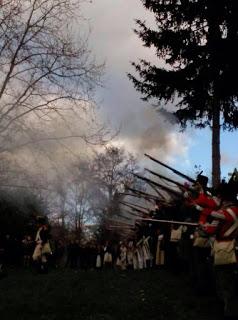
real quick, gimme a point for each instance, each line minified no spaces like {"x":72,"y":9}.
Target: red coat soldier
{"x":224,"y":227}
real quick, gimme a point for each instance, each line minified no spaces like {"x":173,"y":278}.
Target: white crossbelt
{"x":234,"y":225}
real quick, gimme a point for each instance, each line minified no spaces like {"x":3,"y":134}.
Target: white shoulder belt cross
{"x":234,"y":225}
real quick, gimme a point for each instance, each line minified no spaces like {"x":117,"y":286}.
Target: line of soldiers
{"x":207,"y":221}
{"x":212,"y":223}
{"x":218,"y":231}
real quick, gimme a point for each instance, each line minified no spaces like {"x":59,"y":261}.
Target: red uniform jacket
{"x":205,"y":204}
{"x":224,"y":224}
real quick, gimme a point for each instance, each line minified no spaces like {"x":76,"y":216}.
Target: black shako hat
{"x":203,"y":180}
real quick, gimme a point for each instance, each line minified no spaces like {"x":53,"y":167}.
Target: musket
{"x":137,"y":195}
{"x":183,"y":223}
{"x":132,"y":213}
{"x":120,"y":223}
{"x":124,"y":227}
{"x":168,"y":179}
{"x":144,"y":194}
{"x":136,"y":205}
{"x":133,"y":207}
{"x":172,"y":169}
{"x":157,"y":191}
{"x":121,"y":228}
{"x":167,"y":189}
{"x":124,"y":231}
{"x":124,"y":217}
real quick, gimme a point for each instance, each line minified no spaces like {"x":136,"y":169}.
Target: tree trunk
{"x":216,"y":154}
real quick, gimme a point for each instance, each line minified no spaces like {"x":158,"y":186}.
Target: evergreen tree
{"x":198,"y":43}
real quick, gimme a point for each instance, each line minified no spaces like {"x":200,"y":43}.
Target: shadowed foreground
{"x":103,"y":295}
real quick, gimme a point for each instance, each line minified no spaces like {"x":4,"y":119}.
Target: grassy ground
{"x":106,"y":295}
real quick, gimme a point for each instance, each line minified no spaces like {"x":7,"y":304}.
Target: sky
{"x":142,"y":129}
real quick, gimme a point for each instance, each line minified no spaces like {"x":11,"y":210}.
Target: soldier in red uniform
{"x":224,"y":227}
{"x":204,"y":202}
{"x":201,"y":258}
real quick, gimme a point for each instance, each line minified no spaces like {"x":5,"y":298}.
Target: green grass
{"x":106,"y":295}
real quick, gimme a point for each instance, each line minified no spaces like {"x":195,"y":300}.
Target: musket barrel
{"x":132,"y":213}
{"x":170,"y":168}
{"x":167,"y":189}
{"x":144,"y":194}
{"x":194,"y":224}
{"x":133,"y":207}
{"x":167,"y":179}
{"x":121,"y":216}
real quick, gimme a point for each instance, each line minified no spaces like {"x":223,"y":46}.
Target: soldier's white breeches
{"x":41,"y":251}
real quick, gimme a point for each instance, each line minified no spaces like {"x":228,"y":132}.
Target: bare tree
{"x":92,"y":186}
{"x":113,"y":170}
{"x":44,"y":68}
{"x":71,"y":198}
{"x":79,"y":204}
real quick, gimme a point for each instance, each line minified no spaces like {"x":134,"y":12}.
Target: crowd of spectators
{"x":156,"y":250}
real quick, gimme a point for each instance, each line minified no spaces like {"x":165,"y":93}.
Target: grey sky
{"x":113,"y":40}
